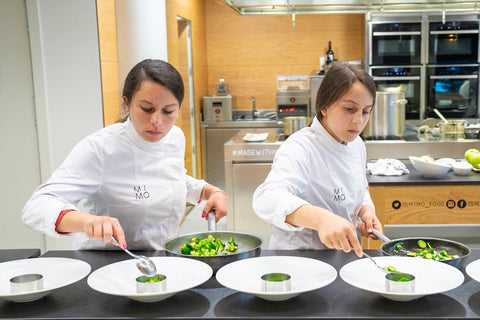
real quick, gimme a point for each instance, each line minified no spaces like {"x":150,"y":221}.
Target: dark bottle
{"x":330,"y":56}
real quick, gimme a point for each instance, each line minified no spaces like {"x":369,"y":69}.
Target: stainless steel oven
{"x":407,"y":79}
{"x":453,"y":90}
{"x":396,"y":43}
{"x":293,"y":96}
{"x":453,"y":42}
{"x":293,"y":103}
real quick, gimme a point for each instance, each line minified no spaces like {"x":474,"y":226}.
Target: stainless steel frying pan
{"x":410,"y":245}
{"x":248,"y":245}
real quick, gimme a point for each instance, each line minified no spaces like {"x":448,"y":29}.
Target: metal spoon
{"x":396,"y":281}
{"x":392,"y":282}
{"x":386,"y":271}
{"x":144,"y":264}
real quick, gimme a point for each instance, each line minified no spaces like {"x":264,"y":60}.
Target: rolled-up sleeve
{"x":194,"y":188}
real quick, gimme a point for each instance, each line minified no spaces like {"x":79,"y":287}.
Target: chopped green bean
{"x":421,"y":244}
{"x":404,"y":279}
{"x":390,"y":269}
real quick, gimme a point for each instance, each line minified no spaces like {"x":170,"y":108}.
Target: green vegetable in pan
{"x":209,"y":246}
{"x":426,"y":251}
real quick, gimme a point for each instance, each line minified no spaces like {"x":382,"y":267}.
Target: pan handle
{"x":377,"y":233}
{"x":212,"y":224}
{"x":380,"y":235}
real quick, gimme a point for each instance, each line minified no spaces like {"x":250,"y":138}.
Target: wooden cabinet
{"x":425,"y":204}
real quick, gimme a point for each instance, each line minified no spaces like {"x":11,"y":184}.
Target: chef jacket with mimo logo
{"x":311,"y":167}
{"x":117,"y":173}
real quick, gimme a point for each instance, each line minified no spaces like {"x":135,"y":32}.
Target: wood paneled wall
{"x":249,"y":51}
{"x":107,"y":36}
{"x":193,"y":10}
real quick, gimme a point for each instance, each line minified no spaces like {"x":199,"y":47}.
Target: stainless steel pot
{"x":387,"y":119}
{"x":292,"y":124}
{"x":452,"y":126}
{"x":453,"y":129}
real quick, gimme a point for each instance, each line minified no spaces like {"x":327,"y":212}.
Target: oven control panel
{"x":395,"y":72}
{"x":293,"y":103}
{"x":397,"y":27}
{"x":292,"y":110}
{"x":454,"y":25}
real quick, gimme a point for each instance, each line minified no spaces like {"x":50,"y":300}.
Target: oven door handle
{"x":467,"y":76}
{"x":403,"y":33}
{"x":455,"y":32}
{"x":396,"y":78}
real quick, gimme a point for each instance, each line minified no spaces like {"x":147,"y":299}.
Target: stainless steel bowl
{"x":471,"y":132}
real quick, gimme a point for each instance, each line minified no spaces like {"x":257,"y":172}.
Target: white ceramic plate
{"x":429,"y":169}
{"x":306,"y":275}
{"x":56,"y":272}
{"x":119,"y":278}
{"x":431,"y":277}
{"x":255,"y":137}
{"x":473,"y":270}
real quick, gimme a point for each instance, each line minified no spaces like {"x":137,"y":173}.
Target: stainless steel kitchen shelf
{"x":401,"y":149}
{"x":243,"y":124}
{"x":287,"y":7}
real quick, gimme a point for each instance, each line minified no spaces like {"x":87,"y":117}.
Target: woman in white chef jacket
{"x":131,"y":174}
{"x":317,"y":187}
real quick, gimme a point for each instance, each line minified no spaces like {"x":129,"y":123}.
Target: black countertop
{"x":338,"y":300}
{"x":15,"y":254}
{"x":416,"y":178}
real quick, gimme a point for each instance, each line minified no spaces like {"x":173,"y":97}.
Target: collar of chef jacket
{"x":142,"y":143}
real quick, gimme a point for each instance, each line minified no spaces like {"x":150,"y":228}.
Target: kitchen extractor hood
{"x":287,"y":7}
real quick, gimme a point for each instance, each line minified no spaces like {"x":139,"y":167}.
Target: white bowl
{"x":306,"y":275}
{"x":118,"y":278}
{"x":462,"y":168}
{"x":473,"y":270}
{"x":431,"y":277}
{"x":56,"y":272}
{"x":446,"y":161}
{"x":429,"y":169}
